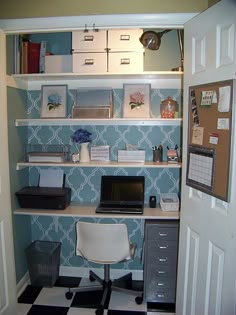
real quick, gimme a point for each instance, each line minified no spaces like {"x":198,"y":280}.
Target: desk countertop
{"x":75,"y":210}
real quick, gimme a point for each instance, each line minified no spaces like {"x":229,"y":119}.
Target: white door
{"x":7,"y":263}
{"x":207,"y":250}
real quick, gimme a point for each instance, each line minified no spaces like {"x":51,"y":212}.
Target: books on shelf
{"x":33,"y":57}
{"x":29,"y":56}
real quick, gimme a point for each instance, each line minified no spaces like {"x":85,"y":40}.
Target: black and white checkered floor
{"x":52,"y":301}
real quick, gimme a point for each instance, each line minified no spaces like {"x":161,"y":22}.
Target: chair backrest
{"x":102,"y":243}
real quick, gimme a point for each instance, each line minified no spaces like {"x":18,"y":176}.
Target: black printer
{"x":46,"y":196}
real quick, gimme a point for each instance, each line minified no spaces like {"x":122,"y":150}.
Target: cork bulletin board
{"x":209,"y":138}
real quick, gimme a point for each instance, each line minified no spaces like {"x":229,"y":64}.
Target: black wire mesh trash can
{"x":43,"y":258}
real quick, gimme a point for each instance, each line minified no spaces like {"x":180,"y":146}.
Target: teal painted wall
{"x":85,"y":182}
{"x":17,"y":108}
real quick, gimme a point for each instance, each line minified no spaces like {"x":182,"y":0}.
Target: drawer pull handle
{"x":88,"y":38}
{"x":163,"y":247}
{"x":124,"y":37}
{"x":89,"y":62}
{"x":160,"y":284}
{"x":163,"y":234}
{"x":163,"y":259}
{"x":161,"y":272}
{"x":161,"y":295}
{"x":125,"y":61}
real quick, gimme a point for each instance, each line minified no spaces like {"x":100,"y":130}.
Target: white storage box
{"x":169,"y":202}
{"x":125,"y":62}
{"x":58,"y":64}
{"x":131,"y":156}
{"x":124,"y":39}
{"x":89,"y":41}
{"x":100,"y":153}
{"x":89,"y":62}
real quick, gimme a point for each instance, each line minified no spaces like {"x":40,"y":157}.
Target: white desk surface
{"x":75,"y":210}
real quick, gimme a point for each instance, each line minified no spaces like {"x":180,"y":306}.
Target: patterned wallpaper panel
{"x":156,"y":97}
{"x":63,"y":229}
{"x":85,"y":182}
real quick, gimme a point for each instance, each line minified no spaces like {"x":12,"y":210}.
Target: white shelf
{"x":89,"y":122}
{"x":81,"y":211}
{"x":86,"y":76}
{"x":21,"y":165}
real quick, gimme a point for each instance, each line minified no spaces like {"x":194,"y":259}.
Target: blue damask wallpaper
{"x":85,"y":182}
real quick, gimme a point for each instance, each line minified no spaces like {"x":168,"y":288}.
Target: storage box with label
{"x":131,"y":156}
{"x":89,"y":62}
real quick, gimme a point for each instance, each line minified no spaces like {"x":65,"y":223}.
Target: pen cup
{"x":157,"y":155}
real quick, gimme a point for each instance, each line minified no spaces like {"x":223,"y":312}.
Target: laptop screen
{"x":122,"y":189}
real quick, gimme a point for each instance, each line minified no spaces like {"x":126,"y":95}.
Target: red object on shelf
{"x":33,"y":57}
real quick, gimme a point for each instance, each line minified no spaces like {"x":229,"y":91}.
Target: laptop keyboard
{"x":119,"y":209}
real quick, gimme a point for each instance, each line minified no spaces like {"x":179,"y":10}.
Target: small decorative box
{"x":169,"y":202}
{"x":131,"y":156}
{"x":100,"y":153}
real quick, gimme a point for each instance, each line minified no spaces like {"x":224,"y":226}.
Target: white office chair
{"x":104,"y":244}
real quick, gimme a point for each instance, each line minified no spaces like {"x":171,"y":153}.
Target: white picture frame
{"x":53,"y":101}
{"x":136,"y":101}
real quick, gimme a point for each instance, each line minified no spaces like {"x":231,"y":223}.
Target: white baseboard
{"x":22,"y":284}
{"x":84,"y":272}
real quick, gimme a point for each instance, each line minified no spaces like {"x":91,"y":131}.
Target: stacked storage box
{"x":113,"y":51}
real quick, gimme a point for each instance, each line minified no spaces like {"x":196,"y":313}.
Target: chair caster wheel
{"x":139,"y":300}
{"x":99,"y":311}
{"x":69,"y":295}
{"x":91,"y":278}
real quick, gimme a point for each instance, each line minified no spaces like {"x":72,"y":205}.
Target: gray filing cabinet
{"x":160,"y":260}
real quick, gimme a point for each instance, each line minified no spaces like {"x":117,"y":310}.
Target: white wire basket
{"x":169,"y":202}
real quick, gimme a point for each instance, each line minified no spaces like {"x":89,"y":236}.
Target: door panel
{"x":224,"y":45}
{"x":7,"y":263}
{"x":207,"y":249}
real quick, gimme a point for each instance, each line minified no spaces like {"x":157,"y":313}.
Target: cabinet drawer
{"x":125,"y":62}
{"x":165,"y":296}
{"x":157,"y":284}
{"x":162,"y":233}
{"x":157,"y":258}
{"x":124,"y":40}
{"x":89,"y":41}
{"x":159,"y":271}
{"x":160,"y":247}
{"x":89,"y":62}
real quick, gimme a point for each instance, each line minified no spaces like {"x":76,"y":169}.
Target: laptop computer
{"x":122,"y":194}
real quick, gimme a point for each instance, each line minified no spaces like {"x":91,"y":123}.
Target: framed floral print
{"x":54,"y":101}
{"x":136,"y":102}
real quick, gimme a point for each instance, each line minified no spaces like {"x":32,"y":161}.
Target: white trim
{"x":158,"y":80}
{"x":22,"y":284}
{"x":69,"y":23}
{"x":84,"y":272}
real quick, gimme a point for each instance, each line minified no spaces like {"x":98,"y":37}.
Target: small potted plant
{"x":82,"y":136}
